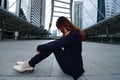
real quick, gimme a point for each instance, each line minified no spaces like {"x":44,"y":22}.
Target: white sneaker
{"x":19,"y":62}
{"x":20,"y":68}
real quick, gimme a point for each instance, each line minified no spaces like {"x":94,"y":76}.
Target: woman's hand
{"x":37,"y":52}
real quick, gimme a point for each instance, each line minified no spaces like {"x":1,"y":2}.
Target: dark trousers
{"x":60,"y":57}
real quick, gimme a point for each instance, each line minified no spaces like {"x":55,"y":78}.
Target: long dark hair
{"x":64,"y":22}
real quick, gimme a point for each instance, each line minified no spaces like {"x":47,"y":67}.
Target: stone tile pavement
{"x":101,"y":61}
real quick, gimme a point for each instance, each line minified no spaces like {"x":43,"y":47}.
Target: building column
{"x":18,"y":7}
{"x":0,"y":33}
{"x":107,"y":32}
{"x":42,"y":11}
{"x":96,"y":34}
{"x":2,"y":3}
{"x":2,"y":30}
{"x":52,"y":9}
{"x":71,"y":2}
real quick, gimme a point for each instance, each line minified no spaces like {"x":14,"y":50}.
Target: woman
{"x":67,"y":51}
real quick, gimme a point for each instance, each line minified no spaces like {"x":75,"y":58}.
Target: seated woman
{"x":67,"y":51}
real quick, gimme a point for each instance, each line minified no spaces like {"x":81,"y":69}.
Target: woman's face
{"x":61,"y":29}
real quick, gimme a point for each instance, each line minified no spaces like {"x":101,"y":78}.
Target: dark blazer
{"x":72,"y":45}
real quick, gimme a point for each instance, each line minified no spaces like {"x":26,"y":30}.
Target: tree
{"x":21,"y":14}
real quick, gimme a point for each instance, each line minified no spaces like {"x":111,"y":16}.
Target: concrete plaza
{"x":101,"y":61}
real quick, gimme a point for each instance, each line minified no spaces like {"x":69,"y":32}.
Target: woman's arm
{"x":72,"y":38}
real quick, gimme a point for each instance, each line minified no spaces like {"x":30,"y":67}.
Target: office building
{"x":117,"y":6}
{"x":34,"y":11}
{"x":106,"y":9}
{"x":101,"y":10}
{"x":4,"y":4}
{"x":110,"y":8}
{"x":78,"y":14}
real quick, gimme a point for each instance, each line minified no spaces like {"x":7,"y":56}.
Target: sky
{"x":12,"y":7}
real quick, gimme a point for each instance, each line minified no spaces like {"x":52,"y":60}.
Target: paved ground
{"x":101,"y":62}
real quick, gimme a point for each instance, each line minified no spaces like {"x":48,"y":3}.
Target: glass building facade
{"x":4,"y":4}
{"x":33,"y":11}
{"x":110,"y":8}
{"x":107,"y":8}
{"x":117,"y":6}
{"x":78,"y":14}
{"x":101,"y":10}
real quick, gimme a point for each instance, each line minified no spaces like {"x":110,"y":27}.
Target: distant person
{"x":67,"y":51}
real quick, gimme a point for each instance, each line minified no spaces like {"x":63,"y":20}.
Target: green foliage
{"x":21,"y":14}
